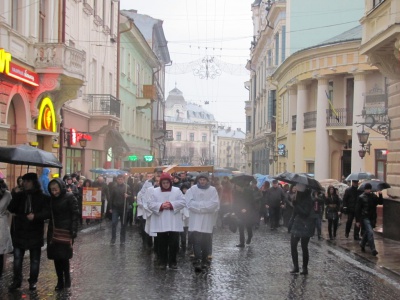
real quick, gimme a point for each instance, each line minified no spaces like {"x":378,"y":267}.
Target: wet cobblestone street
{"x":258,"y":271}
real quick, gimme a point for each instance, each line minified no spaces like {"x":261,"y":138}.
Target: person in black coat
{"x":64,"y":214}
{"x":303,"y":227}
{"x":366,"y":213}
{"x":246,"y":210}
{"x":332,"y":203}
{"x":30,"y":209}
{"x":349,"y":207}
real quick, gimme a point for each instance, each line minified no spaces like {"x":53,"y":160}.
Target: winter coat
{"x":275,"y":197}
{"x":318,"y":205}
{"x":166,"y":220}
{"x":332,"y":204}
{"x":203,"y":205}
{"x":44,"y":180}
{"x":245,"y":200}
{"x":28,"y":234}
{"x":303,"y":220}
{"x":350,"y":199}
{"x":366,"y":207}
{"x":65,"y":211}
{"x":117,"y":197}
{"x":5,"y":237}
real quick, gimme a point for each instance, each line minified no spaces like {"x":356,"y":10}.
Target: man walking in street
{"x":349,"y":207}
{"x":203,"y":203}
{"x":30,"y":209}
{"x":118,"y":208}
{"x":366,"y":213}
{"x":275,"y":201}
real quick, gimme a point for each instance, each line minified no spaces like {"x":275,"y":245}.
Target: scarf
{"x":203,"y":187}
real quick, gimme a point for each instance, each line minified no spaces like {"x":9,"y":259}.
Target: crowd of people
{"x":173,"y":213}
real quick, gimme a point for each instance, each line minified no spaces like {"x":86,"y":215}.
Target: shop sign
{"x":47,"y":116}
{"x":148,"y":158}
{"x":76,"y":136}
{"x":15,"y":71}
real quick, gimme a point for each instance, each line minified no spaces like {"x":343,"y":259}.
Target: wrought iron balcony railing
{"x":104,"y":104}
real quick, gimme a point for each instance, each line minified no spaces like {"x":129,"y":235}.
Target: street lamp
{"x":363,"y":139}
{"x":83,"y":142}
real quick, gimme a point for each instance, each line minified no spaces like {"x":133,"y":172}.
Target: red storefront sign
{"x":75,"y":136}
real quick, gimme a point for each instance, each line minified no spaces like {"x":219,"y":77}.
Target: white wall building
{"x":231,"y":148}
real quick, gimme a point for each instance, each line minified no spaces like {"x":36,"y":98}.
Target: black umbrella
{"x":242,"y":179}
{"x":28,"y":155}
{"x":377,"y":185}
{"x":360,"y":176}
{"x":294,"y":178}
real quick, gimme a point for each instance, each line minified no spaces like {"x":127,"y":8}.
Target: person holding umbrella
{"x":118,"y":204}
{"x":302,"y":228}
{"x":30,"y":209}
{"x":366,"y":213}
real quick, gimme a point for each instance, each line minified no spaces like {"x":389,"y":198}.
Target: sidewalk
{"x":388,"y":257}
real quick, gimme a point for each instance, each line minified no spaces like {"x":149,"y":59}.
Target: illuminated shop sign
{"x":15,"y":71}
{"x":47,"y":116}
{"x":76,"y":136}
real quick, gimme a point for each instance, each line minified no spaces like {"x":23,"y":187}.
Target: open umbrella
{"x":242,"y":179}
{"x":377,"y":185}
{"x":294,"y":178}
{"x":360,"y":176}
{"x":97,"y":170}
{"x":28,"y":155}
{"x":108,"y":172}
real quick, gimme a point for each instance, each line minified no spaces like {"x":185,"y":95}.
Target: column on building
{"x":300,"y":107}
{"x":322,"y":152}
{"x":291,"y":143}
{"x":357,"y":164}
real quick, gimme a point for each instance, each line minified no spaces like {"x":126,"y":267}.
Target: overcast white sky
{"x":194,"y":29}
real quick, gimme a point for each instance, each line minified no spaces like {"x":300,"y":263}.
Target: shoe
{"x":173,"y":266}
{"x":331,"y":238}
{"x":197,"y":266}
{"x":319,"y":238}
{"x":374,"y":252}
{"x":162,"y":267}
{"x":32,"y":286}
{"x":248,"y":241}
{"x":304,"y":271}
{"x":295,"y":271}
{"x":346,"y":235}
{"x":362,"y":248}
{"x":14,"y":286}
{"x":59,"y":287}
{"x":240,"y":245}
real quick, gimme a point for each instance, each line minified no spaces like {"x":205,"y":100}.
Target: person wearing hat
{"x":349,"y":207}
{"x":203,"y":203}
{"x":366,"y":213}
{"x":30,"y":208}
{"x":166,"y":202}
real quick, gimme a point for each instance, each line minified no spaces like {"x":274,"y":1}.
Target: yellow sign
{"x":47,"y":116}
{"x":5,"y":59}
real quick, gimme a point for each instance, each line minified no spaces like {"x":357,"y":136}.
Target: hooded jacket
{"x":44,"y":181}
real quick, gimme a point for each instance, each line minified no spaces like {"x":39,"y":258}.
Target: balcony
{"x":103,"y":104}
{"x":60,"y":58}
{"x":159,"y":129}
{"x":344,"y":117}
{"x":310,"y":119}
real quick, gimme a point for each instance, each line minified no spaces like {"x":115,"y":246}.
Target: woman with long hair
{"x":332,"y":203}
{"x":302,"y":228}
{"x":64,"y":214}
{"x":5,"y":237}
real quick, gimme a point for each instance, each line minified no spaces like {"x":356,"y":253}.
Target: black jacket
{"x":332,"y":204}
{"x":245,"y":200}
{"x":28,"y":234}
{"x":117,"y":197}
{"x":350,"y":199}
{"x":366,"y":207}
{"x":64,"y":213}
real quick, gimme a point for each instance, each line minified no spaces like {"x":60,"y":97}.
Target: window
{"x":269,"y":54}
{"x":310,"y":168}
{"x":283,"y":51}
{"x":42,"y":19}
{"x":123,"y":61}
{"x":104,"y":10}
{"x":271,"y":105}
{"x":179,"y":136}
{"x":203,"y":152}
{"x":15,"y":5}
{"x":96,"y":162}
{"x":191,"y":152}
{"x":112,"y":18}
{"x":204,"y":137}
{"x":129,"y":66}
{"x":277,"y":49}
{"x":191,"y":136}
{"x":73,"y":160}
{"x":178,"y":152}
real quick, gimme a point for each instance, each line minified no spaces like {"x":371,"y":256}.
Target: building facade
{"x":381,"y":43}
{"x":231,"y":148}
{"x":194,"y":132}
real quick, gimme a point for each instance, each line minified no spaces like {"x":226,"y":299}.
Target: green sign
{"x":132,"y":157}
{"x":148,"y":158}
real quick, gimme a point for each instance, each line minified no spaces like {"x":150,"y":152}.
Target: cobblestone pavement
{"x":259,"y":271}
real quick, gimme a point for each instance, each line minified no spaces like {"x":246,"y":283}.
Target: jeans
{"x":368,"y":235}
{"x":332,"y":223}
{"x":34,"y":255}
{"x":274,"y":215}
{"x":304,"y":247}
{"x":318,"y":224}
{"x":349,"y":223}
{"x":201,"y":245}
{"x":118,"y":214}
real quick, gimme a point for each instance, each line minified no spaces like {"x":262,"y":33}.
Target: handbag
{"x":60,"y":236}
